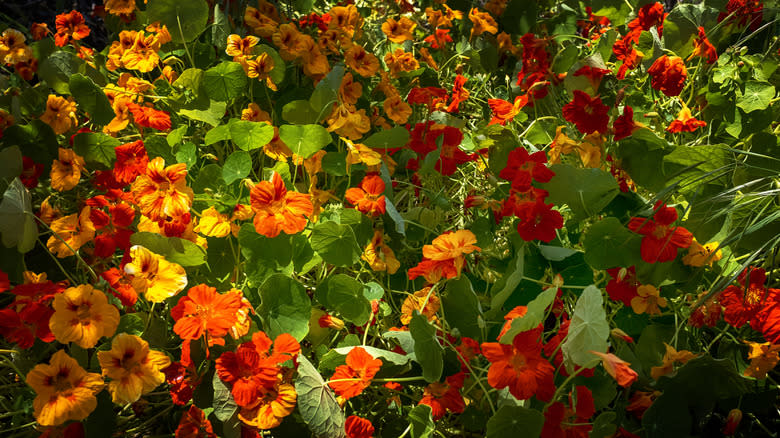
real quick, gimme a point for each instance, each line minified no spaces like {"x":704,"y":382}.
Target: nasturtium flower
{"x":396,"y":109}
{"x":415,"y":302}
{"x":60,"y":114}
{"x":148,"y":117}
{"x":520,"y":367}
{"x":212,"y":223}
{"x":161,"y":191}
{"x":700,"y":255}
{"x":743,"y":13}
{"x":13,"y":50}
{"x":703,"y":47}
{"x":350,"y":90}
{"x":587,"y":113}
{"x":194,"y":423}
{"x":572,"y":420}
{"x":399,"y":30}
{"x":238,"y":47}
{"x":131,"y":161}
{"x":120,"y":7}
{"x":641,"y":401}
{"x":504,"y":111}
{"x":624,"y":125}
{"x":685,"y":122}
{"x":661,"y":238}
{"x":523,"y":168}
{"x":153,"y":275}
{"x":744,"y":301}
{"x":459,"y":93}
{"x":70,"y":26}
{"x":66,"y":170}
{"x":133,"y":368}
{"x":278,"y":210}
{"x":708,"y":313}
{"x":71,"y":233}
{"x":618,"y":369}
{"x":368,"y":197}
{"x":671,"y":357}
{"x":623,"y":284}
{"x":668,"y":74}
{"x":445,"y":256}
{"x":445,"y":396}
{"x":260,"y":68}
{"x":763,"y":358}
{"x":270,"y":408}
{"x":482,"y":22}
{"x":351,"y":379}
{"x":648,"y":300}
{"x":362,"y":62}
{"x":357,"y":427}
{"x":64,"y":390}
{"x":439,"y":39}
{"x":205,"y":311}
{"x":538,"y":221}
{"x":83,"y":315}
{"x":380,"y":256}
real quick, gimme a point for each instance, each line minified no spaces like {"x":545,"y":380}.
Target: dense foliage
{"x":411,"y":218}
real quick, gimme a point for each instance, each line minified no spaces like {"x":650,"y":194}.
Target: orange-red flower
{"x":83,"y":315}
{"x":763,"y":358}
{"x":445,"y":396}
{"x":587,"y":113}
{"x":668,"y":74}
{"x":278,"y":210}
{"x":39,"y":31}
{"x":445,"y":256}
{"x":504,"y":111}
{"x":204,"y":311}
{"x":351,"y":379}
{"x":70,"y":26}
{"x":572,"y":420}
{"x":459,"y":93}
{"x":120,"y":7}
{"x":273,"y":405}
{"x":424,"y":301}
{"x":357,"y":427}
{"x":369,"y":197}
{"x":131,"y":161}
{"x":618,"y":369}
{"x":481,"y":22}
{"x":64,"y":390}
{"x":685,"y":122}
{"x":238,"y":47}
{"x":380,"y":256}
{"x":162,"y":191}
{"x":704,"y":48}
{"x":133,"y":368}
{"x":520,"y":367}
{"x":148,"y":117}
{"x":662,"y":238}
{"x":194,"y":423}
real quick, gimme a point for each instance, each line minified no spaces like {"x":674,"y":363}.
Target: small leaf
{"x":316,"y":402}
{"x":17,"y":226}
{"x":285,"y":307}
{"x":757,"y":96}
{"x":462,"y":307}
{"x":427,"y":349}
{"x":217,"y":133}
{"x":343,"y":294}
{"x":609,"y":244}
{"x":533,"y":317}
{"x":588,"y":330}
{"x":326,"y":92}
{"x":237,"y":166}
{"x":304,"y":140}
{"x":212,"y":114}
{"x":91,"y":99}
{"x":389,"y":356}
{"x":250,"y":135}
{"x":335,"y":243}
{"x":221,"y":29}
{"x":585,"y":191}
{"x":225,"y":81}
{"x":96,"y":148}
{"x":509,"y":420}
{"x":395,"y":137}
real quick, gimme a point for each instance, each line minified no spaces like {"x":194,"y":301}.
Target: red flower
{"x":31,"y":171}
{"x":357,"y":427}
{"x":520,"y":367}
{"x":704,"y":48}
{"x":369,"y":198}
{"x":70,"y":26}
{"x":744,"y":13}
{"x":594,"y":74}
{"x":743,"y":302}
{"x":459,"y":94}
{"x":148,"y":117}
{"x":668,"y":75}
{"x":504,"y":111}
{"x":120,"y":286}
{"x":443,"y":397}
{"x":662,"y":239}
{"x":624,"y":125}
{"x":623,"y":285}
{"x":523,"y":168}
{"x":351,"y":379}
{"x":113,"y":226}
{"x":535,"y":72}
{"x":572,"y":421}
{"x":648,"y":16}
{"x":587,"y":113}
{"x":425,"y":139}
{"x":131,"y":161}
{"x":439,"y":39}
{"x":193,"y":424}
{"x":426,"y":95}
{"x":538,"y":221}
{"x":685,"y":122}
{"x":182,"y":380}
{"x":624,"y":51}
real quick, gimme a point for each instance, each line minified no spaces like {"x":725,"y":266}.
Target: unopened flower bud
{"x":732,"y":422}
{"x":329,"y":321}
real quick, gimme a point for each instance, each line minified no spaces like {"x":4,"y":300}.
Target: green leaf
{"x":343,"y":294}
{"x":604,"y":425}
{"x":395,"y":137}
{"x":11,"y":164}
{"x":185,"y":19}
{"x":237,"y":166}
{"x":427,"y":349}
{"x":533,"y":317}
{"x":225,"y":81}
{"x":250,"y":135}
{"x":131,"y":323}
{"x":221,"y":29}
{"x":326,"y":92}
{"x":187,"y":153}
{"x":703,"y":164}
{"x":174,"y":249}
{"x":217,"y":133}
{"x":17,"y":225}
{"x":224,"y":405}
{"x":585,"y":191}
{"x":507,"y":283}
{"x":58,"y":67}
{"x":609,"y":244}
{"x":509,"y":420}
{"x":556,"y":253}
{"x":91,"y":99}
{"x":102,"y":421}
{"x":462,"y":308}
{"x":304,"y":140}
{"x":36,"y":139}
{"x":285,"y":307}
{"x":757,"y":96}
{"x":335,"y":243}
{"x":389,"y":356}
{"x":316,"y":402}
{"x":96,"y":148}
{"x":211,"y":115}
{"x":176,"y":136}
{"x":421,"y":422}
{"x":705,"y":379}
{"x":299,"y":112}
{"x":588,"y":330}
{"x":519,"y":17}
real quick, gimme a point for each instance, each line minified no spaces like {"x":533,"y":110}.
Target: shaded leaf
{"x":91,"y":99}
{"x":238,"y":165}
{"x":427,"y":349}
{"x":185,"y":19}
{"x":174,"y":249}
{"x":609,"y":244}
{"x":96,"y":148}
{"x":285,"y":307}
{"x":585,"y":191}
{"x":588,"y":330}
{"x":509,"y":420}
{"x":316,"y":402}
{"x":533,"y":317}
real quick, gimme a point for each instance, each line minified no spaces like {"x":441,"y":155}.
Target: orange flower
{"x":351,"y":379}
{"x":60,"y":114}
{"x":148,"y":117}
{"x":261,"y":24}
{"x":71,"y":233}
{"x":204,"y":311}
{"x":398,"y":110}
{"x":380,"y":256}
{"x":212,"y":223}
{"x":254,"y":113}
{"x":120,"y":7}
{"x":671,"y":357}
{"x":13,"y":50}
{"x":668,"y":75}
{"x":369,"y":198}
{"x":70,"y":26}
{"x":83,"y":315}
{"x":154,"y":276}
{"x":618,"y":369}
{"x":133,"y":368}
{"x":445,"y":256}
{"x":763,"y":358}
{"x":561,"y":144}
{"x":66,"y":171}
{"x":700,"y":255}
{"x":194,"y":423}
{"x":357,"y":427}
{"x":278,"y":210}
{"x":162,"y":191}
{"x":482,"y":22}
{"x":363,"y":63}
{"x":648,"y":301}
{"x":520,"y":367}
{"x":350,"y":91}
{"x":685,"y":122}
{"x":39,"y":31}
{"x":238,"y":47}
{"x":504,"y":111}
{"x":399,"y":31}
{"x":424,"y":297}
{"x":286,"y":39}
{"x":273,"y":405}
{"x":64,"y":390}
{"x":260,"y":68}
{"x":704,"y":48}
{"x":400,"y":61}
{"x":345,"y":19}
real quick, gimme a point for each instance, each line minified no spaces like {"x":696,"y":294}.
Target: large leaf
{"x":299,"y":112}
{"x":757,"y":96}
{"x":285,"y":307}
{"x":216,"y":134}
{"x":510,"y":420}
{"x":96,"y":148}
{"x":174,"y":249}
{"x":316,"y":402}
{"x":212,"y":114}
{"x":427,"y":349}
{"x":237,"y":166}
{"x":335,"y":243}
{"x":585,"y":191}
{"x":91,"y":99}
{"x":462,"y":308}
{"x":508,"y":282}
{"x":224,"y":404}
{"x":58,"y":67}
{"x":533,"y":317}
{"x":343,"y":294}
{"x":185,"y":19}
{"x":17,"y":225}
{"x":609,"y":244}
{"x":588,"y":330}
{"x":225,"y":81}
{"x":326,"y":92}
{"x":221,"y":28}
{"x":421,"y":422}
{"x":250,"y":135}
{"x":389,"y":356}
{"x":519,"y":17}
{"x":36,"y":139}
{"x":392,"y":138}
{"x":304,"y":140}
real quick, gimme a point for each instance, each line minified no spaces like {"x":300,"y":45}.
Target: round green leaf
{"x":585,"y":191}
{"x":509,"y":420}
{"x":225,"y":81}
{"x":335,"y":243}
{"x":344,"y":295}
{"x":285,"y":307}
{"x":609,"y":244}
{"x":304,"y":140}
{"x":91,"y":99}
{"x":185,"y":19}
{"x":757,"y":96}
{"x":588,"y":330}
{"x":427,"y":349}
{"x":391,"y":138}
{"x":250,"y":135}
{"x":237,"y":166}
{"x":316,"y":402}
{"x":174,"y":249}
{"x":96,"y":148}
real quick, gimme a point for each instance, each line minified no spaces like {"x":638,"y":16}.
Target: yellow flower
{"x":64,"y":391}
{"x":763,"y":358}
{"x":60,"y":114}
{"x":260,"y":68}
{"x":671,"y":357}
{"x":360,"y":153}
{"x":134,"y":370}
{"x":154,"y":276}
{"x":120,"y":7}
{"x":648,"y":301}
{"x":700,"y":255}
{"x":83,"y":315}
{"x":215,"y":224}
{"x":416,"y":302}
{"x":483,"y":22}
{"x":269,"y":410}
{"x":362,"y":62}
{"x":238,"y":47}
{"x":399,"y":31}
{"x":380,"y":256}
{"x":71,"y":233}
{"x":66,"y":171}
{"x":254,"y":113}
{"x":398,"y":110}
